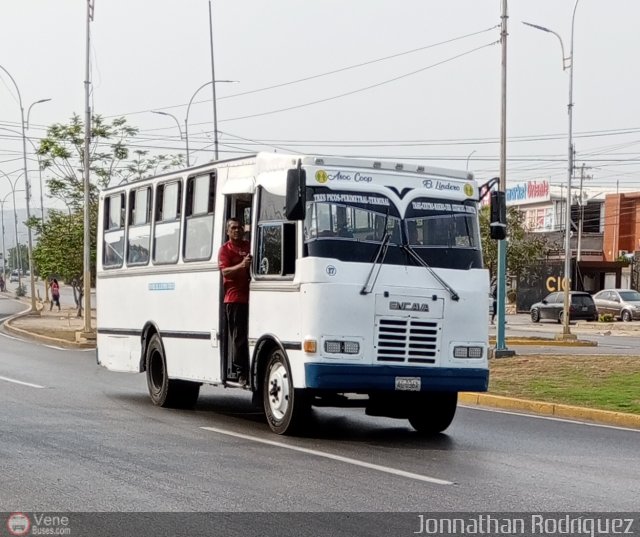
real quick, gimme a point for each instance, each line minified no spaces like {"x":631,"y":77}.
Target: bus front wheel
{"x":285,"y":407}
{"x":164,"y":391}
{"x":434,"y":413}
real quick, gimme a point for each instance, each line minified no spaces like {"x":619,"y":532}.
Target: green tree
{"x":142,"y":166}
{"x":522,"y":246}
{"x":61,"y":155}
{"x":61,"y":238}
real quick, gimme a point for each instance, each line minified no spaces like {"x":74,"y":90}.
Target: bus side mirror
{"x":296,"y":194}
{"x":498,"y":221}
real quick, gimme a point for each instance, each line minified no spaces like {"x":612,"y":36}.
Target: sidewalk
{"x":52,"y":327}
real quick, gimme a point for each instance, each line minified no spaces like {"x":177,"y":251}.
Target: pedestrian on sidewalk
{"x":55,"y":294}
{"x":3,"y":285}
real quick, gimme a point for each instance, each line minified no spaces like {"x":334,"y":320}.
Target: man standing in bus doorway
{"x":234,"y":261}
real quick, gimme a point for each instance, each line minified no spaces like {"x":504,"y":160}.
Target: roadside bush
{"x":21,"y":290}
{"x":512,"y":295}
{"x":605,"y":318}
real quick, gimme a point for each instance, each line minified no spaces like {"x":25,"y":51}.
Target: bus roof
{"x":265,"y":161}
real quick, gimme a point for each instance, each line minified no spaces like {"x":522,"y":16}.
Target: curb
{"x":39,"y":337}
{"x":604,"y":417}
{"x":547,"y":342}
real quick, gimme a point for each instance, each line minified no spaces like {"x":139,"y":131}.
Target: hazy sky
{"x":436,"y":98}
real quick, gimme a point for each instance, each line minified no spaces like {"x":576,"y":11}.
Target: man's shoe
{"x":241,"y":382}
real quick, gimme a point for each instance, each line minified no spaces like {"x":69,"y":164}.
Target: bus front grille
{"x":407,"y":341}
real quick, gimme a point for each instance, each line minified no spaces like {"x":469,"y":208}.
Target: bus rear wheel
{"x":285,"y":407}
{"x":434,"y":412}
{"x":166,"y":392}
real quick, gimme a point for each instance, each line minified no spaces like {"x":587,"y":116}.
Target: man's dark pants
{"x":238,"y":326}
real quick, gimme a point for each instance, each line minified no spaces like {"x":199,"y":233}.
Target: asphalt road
{"x":75,"y":437}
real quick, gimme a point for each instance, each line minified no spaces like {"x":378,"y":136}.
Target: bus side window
{"x":198,"y":232}
{"x":166,"y":232}
{"x":139,"y":228}
{"x":275,"y":238}
{"x":113,"y":234}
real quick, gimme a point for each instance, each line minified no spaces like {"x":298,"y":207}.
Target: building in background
{"x":601,"y":225}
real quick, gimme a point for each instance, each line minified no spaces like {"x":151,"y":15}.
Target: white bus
{"x":367,"y":285}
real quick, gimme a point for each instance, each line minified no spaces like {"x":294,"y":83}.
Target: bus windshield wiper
{"x":381,"y":253}
{"x":412,"y":253}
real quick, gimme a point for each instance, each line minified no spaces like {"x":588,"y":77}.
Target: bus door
{"x":235,"y":206}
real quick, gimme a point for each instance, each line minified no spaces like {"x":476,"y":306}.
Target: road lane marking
{"x":21,"y":382}
{"x":347,"y":460}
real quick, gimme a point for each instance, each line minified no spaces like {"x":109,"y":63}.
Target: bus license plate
{"x":408,"y":384}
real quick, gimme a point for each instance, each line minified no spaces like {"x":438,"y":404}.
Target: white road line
{"x":20,"y":382}
{"x":339,"y":458}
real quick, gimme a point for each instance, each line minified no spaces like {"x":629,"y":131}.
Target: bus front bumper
{"x":353,"y":378}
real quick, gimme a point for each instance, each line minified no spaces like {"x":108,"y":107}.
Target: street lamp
{"x":186,"y":119}
{"x":2,"y":202}
{"x":38,"y":157}
{"x":35,"y":150}
{"x":472,"y":152}
{"x":179,"y":128}
{"x":567,"y":63}
{"x":27,"y":190}
{"x":15,"y":223}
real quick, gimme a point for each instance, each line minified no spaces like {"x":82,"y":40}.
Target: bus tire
{"x":166,"y":392}
{"x":285,"y":407}
{"x":434,"y":413}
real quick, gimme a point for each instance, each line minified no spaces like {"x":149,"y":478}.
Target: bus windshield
{"x":442,"y":224}
{"x":350,"y":226}
{"x":354,"y":217}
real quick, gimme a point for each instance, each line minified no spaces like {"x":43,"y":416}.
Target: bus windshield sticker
{"x":351,"y":198}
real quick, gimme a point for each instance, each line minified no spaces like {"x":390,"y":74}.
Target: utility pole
{"x":581,"y":211}
{"x":501,"y":349}
{"x":87,"y":184}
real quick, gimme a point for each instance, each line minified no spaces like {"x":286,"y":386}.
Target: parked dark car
{"x":623,"y":304}
{"x":581,"y":307}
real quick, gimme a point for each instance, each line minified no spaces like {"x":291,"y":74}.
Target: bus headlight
{"x":332,"y":346}
{"x":467,"y":352}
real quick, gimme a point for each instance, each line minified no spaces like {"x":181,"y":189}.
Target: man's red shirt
{"x":236,"y":285}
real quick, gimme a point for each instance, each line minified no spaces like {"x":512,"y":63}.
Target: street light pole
{"x":32,"y":280}
{"x":15,"y":224}
{"x":179,"y":129}
{"x":501,"y":350}
{"x":35,"y":150}
{"x":86,"y":274}
{"x":186,"y":118}
{"x":2,"y":202}
{"x":38,"y":157}
{"x":567,"y":62}
{"x":472,"y":152}
{"x":213,"y":87}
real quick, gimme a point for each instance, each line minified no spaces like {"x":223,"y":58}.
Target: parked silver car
{"x":14,"y":277}
{"x":623,"y":304}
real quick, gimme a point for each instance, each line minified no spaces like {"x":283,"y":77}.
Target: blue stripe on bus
{"x":375,"y":377}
